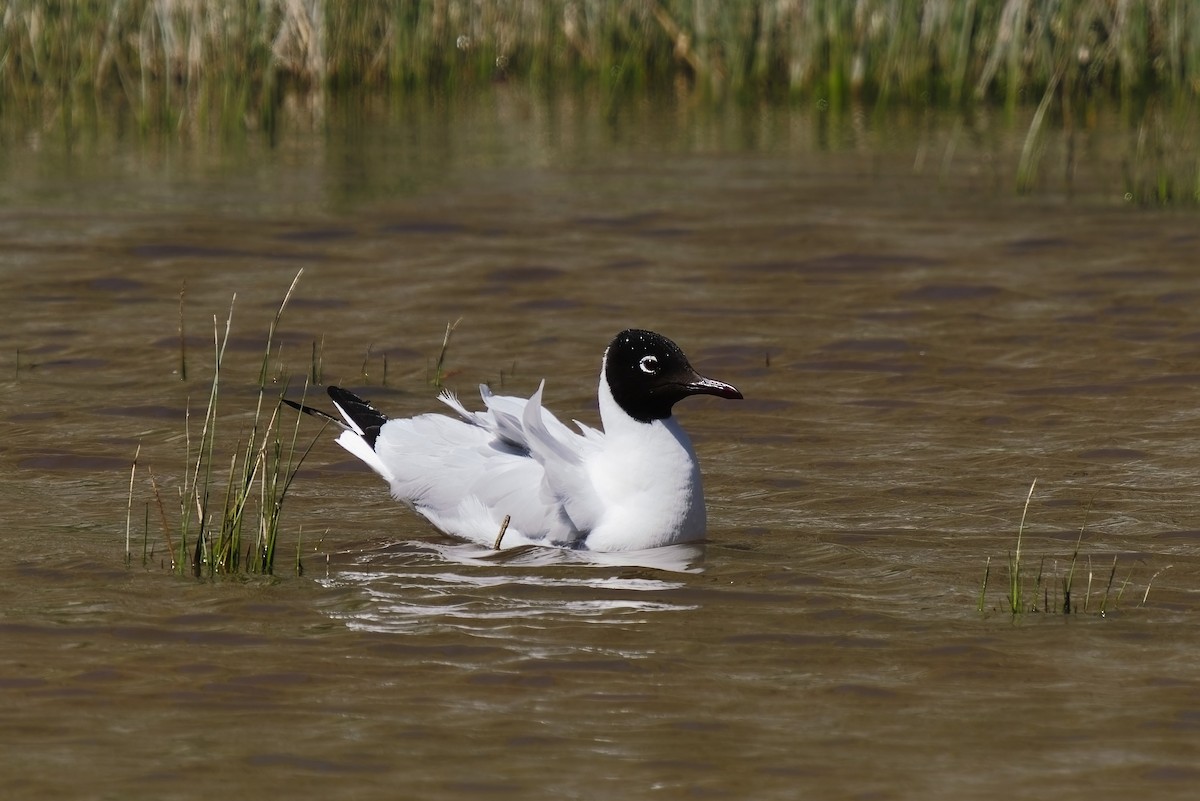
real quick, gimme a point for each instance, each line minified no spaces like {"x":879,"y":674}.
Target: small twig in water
{"x":147,"y":549}
{"x":318,"y":356}
{"x":182,"y":338}
{"x":1038,"y":583}
{"x":987,"y":569}
{"x":1087,"y":599}
{"x":438,"y":375}
{"x":1070,"y":579}
{"x":129,"y":508}
{"x":1108,"y":589}
{"x":162,"y":513}
{"x":1151,"y":581}
{"x":500,"y":536}
{"x":366,"y":358}
{"x":299,"y":563}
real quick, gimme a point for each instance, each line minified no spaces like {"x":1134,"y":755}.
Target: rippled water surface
{"x":916,"y":346}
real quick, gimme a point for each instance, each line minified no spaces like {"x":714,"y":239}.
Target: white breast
{"x":648,"y":482}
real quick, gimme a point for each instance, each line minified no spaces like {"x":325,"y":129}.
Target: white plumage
{"x":634,"y":485}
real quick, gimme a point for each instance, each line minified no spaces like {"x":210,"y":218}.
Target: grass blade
{"x":1016,"y":602}
{"x":129,"y":506}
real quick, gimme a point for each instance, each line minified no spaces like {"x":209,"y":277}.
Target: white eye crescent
{"x":649,"y":365}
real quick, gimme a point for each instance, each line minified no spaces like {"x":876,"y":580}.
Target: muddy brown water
{"x":916,"y":346}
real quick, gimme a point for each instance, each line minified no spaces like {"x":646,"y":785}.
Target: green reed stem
{"x":1016,"y":602}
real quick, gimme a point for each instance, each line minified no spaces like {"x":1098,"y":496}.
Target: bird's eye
{"x":649,"y":365}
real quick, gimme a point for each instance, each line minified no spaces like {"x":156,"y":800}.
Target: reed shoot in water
{"x":439,"y":372}
{"x":129,"y":506}
{"x":1016,"y":603}
{"x":1020,"y":600}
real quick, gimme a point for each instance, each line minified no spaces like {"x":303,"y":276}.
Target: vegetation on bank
{"x":162,"y":66}
{"x":156,"y":55}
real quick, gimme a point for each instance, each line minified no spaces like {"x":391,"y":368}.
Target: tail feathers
{"x":360,"y":426}
{"x":357,"y":444}
{"x":300,"y":407}
{"x":363,"y":418}
{"x":358,"y":416}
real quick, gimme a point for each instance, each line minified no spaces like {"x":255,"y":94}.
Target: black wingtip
{"x":359,"y":412}
{"x":300,"y":407}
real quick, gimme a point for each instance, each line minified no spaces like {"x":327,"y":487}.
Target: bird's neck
{"x":666,"y":433}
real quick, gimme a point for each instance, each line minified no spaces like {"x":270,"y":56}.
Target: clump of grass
{"x":1044,"y":595}
{"x":232,"y":525}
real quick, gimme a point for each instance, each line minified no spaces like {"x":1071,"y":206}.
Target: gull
{"x":514,"y":474}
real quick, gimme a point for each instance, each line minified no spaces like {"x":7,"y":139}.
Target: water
{"x":915,"y":344}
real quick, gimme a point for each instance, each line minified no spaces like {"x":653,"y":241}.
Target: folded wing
{"x":515,"y":459}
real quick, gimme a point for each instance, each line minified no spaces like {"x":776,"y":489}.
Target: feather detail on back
{"x":515,"y":459}
{"x":562,"y":452}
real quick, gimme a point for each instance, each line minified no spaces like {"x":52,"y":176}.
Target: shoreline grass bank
{"x":155,"y":54}
{"x":1047,"y":68}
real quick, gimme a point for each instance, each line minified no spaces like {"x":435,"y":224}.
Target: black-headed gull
{"x":632,"y":486}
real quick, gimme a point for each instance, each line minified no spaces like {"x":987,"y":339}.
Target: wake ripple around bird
{"x":424,"y":587}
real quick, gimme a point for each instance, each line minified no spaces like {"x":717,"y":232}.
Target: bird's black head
{"x":648,"y":374}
